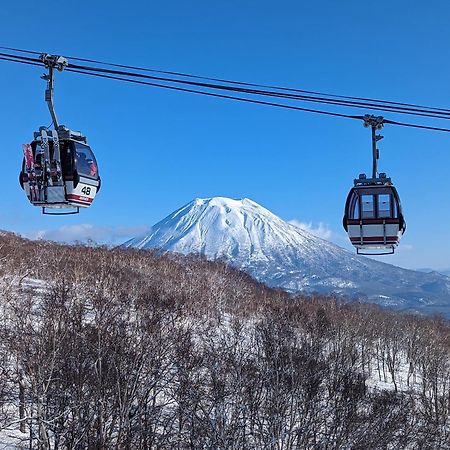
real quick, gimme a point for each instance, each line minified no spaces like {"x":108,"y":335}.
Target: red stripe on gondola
{"x":79,"y":198}
{"x":373,"y":221}
{"x":378,"y":239}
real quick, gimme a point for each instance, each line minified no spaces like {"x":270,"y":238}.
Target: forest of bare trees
{"x":125,"y":349}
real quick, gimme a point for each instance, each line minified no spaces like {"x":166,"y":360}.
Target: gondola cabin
{"x":59,"y":171}
{"x":373,"y":216}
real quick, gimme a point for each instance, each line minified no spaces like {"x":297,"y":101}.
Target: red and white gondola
{"x":373,"y":217}
{"x":59,"y":169}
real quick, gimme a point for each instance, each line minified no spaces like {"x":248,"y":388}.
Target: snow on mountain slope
{"x":251,"y":238}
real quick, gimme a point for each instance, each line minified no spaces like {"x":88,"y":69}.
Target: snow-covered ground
{"x":11,"y":438}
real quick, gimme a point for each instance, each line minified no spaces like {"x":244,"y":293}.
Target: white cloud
{"x":405,"y":248}
{"x":321,"y":230}
{"x":87,"y":232}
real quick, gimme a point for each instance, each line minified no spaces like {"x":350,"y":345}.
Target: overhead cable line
{"x":248,"y":100}
{"x":358,"y":105}
{"x":314,"y":99}
{"x":18,"y":58}
{"x":143,"y":69}
{"x":303,"y":91}
{"x":412,"y":125}
{"x":18,"y":50}
{"x":104,"y":73}
{"x":3,"y":58}
{"x":213,"y":94}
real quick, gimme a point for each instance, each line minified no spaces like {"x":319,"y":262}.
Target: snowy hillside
{"x":170,"y":352}
{"x":253,"y":239}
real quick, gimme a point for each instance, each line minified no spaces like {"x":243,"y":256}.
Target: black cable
{"x":412,"y":125}
{"x":21,"y":62}
{"x":359,"y":105}
{"x":213,"y":94}
{"x":279,"y":105}
{"x":21,"y":58}
{"x":256,"y":85}
{"x":387,"y":102}
{"x":37,"y":62}
{"x":21,"y":51}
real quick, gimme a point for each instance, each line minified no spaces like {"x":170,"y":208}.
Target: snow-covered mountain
{"x":445,"y":272}
{"x":251,"y":238}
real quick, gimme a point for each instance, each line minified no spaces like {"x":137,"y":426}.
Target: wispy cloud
{"x":88,"y":232}
{"x":320,"y":230}
{"x":405,"y":248}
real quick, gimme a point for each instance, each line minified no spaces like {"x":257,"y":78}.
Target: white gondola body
{"x":373,"y":216}
{"x":68,"y":196}
{"x":374,"y":236}
{"x":77,"y":187}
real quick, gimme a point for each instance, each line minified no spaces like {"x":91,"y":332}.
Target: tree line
{"x":126,"y":349}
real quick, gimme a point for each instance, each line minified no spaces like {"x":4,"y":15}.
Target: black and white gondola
{"x":373,"y":217}
{"x":59,"y":169}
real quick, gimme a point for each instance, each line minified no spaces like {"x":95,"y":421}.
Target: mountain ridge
{"x":251,"y":238}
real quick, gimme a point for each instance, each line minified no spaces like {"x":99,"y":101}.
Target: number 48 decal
{"x":86,"y":190}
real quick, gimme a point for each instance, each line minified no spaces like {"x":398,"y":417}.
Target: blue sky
{"x":157,"y":150}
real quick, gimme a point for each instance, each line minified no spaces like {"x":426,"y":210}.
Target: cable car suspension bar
{"x":376,"y":123}
{"x":52,"y":62}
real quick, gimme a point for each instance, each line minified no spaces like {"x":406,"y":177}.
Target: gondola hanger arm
{"x":376,"y":123}
{"x":52,"y":62}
